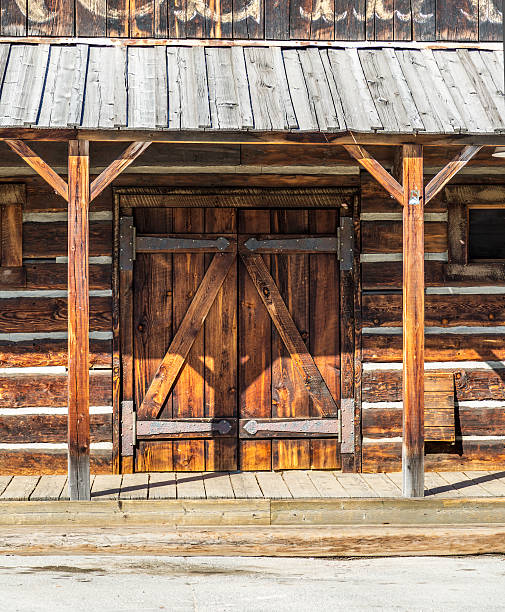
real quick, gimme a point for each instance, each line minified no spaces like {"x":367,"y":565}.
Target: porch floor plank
{"x":434,"y":484}
{"x":190,"y":485}
{"x":245,"y":485}
{"x":218,"y":485}
{"x":299,"y":484}
{"x":492,"y":482}
{"x":106,"y":486}
{"x":134,"y":486}
{"x":48,"y":487}
{"x":465,"y":486}
{"x":272,"y":485}
{"x":382,"y":485}
{"x":20,"y":488}
{"x":356,"y":485}
{"x":4,"y":481}
{"x":162,"y":485}
{"x":327,"y":485}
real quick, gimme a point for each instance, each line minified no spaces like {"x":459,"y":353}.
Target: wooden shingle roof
{"x":264,"y":88}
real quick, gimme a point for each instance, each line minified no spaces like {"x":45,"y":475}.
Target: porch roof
{"x":385,"y":90}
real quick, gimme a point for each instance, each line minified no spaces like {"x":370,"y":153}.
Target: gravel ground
{"x":142,"y":584}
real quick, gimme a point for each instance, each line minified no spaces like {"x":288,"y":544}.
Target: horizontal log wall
{"x":465,"y":334}
{"x":464,"y":20}
{"x":33,"y":341}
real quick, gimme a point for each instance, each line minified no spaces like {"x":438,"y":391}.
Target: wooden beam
{"x":380,"y":174}
{"x":78,"y":321}
{"x":413,"y":322}
{"x":128,"y":156}
{"x":439,"y":181}
{"x":278,"y":311}
{"x":40,"y":166}
{"x":183,"y":340}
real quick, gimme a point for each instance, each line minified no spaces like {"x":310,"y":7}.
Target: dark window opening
{"x":486,"y":234}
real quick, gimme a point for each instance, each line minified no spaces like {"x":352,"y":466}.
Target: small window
{"x":486,"y":234}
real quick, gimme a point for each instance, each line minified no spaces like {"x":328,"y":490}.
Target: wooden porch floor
{"x":253,"y":485}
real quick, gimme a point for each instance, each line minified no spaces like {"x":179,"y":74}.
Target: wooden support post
{"x":78,"y":321}
{"x":413,"y":322}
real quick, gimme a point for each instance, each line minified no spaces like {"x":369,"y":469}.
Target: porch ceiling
{"x":397,"y":91}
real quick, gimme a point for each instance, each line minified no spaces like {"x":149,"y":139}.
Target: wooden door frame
{"x":346,"y":199}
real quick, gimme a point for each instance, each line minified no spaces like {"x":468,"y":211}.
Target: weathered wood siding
{"x":33,"y":341}
{"x":465,"y":334}
{"x":463,"y":20}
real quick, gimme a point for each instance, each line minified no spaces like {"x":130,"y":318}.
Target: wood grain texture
{"x":49,"y":428}
{"x":21,"y":315}
{"x":384,"y":310}
{"x":78,"y":321}
{"x":185,"y":336}
{"x":12,"y":235}
{"x":47,"y":352}
{"x":40,"y":166}
{"x":386,"y":237}
{"x":446,"y":347}
{"x":52,"y":242}
{"x":470,"y":421}
{"x":413,"y":322}
{"x":26,"y":462}
{"x":471,"y":455}
{"x":470,"y":384}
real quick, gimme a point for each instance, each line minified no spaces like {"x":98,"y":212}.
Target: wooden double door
{"x":234,"y":336}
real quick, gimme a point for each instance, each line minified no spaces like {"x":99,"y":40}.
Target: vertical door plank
{"x":423,"y":20}
{"x":141,"y":18}
{"x":350,"y":19}
{"x":118,"y":17}
{"x":176,"y":18}
{"x":54,"y":18}
{"x":325,"y":329}
{"x":458,"y":20}
{"x":276,"y":19}
{"x":152,"y":326}
{"x":221,"y":349}
{"x":255,"y":397}
{"x":91,"y":18}
{"x":13,"y":19}
{"x":160,"y":19}
{"x":289,"y":397}
{"x":78,"y":320}
{"x":220,"y":22}
{"x":154,"y":456}
{"x":188,"y":392}
{"x":248,"y":19}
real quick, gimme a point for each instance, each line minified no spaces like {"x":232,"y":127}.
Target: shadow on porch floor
{"x":253,"y":485}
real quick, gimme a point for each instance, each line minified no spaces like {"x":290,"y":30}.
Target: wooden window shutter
{"x":12,"y":199}
{"x":439,"y":420}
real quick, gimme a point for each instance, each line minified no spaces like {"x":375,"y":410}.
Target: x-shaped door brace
{"x":174,"y":359}
{"x":394,"y":188}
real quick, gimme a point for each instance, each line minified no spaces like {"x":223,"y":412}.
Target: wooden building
{"x":254,"y":177}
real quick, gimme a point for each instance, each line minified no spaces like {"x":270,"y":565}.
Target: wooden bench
{"x":439,"y":420}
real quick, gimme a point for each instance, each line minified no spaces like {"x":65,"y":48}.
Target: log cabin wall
{"x":33,"y":323}
{"x":423,"y":20}
{"x":464,"y":333}
{"x":33,"y":344}
{"x":464,"y":318}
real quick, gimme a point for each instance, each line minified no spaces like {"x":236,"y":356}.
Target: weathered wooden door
{"x":235,"y":339}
